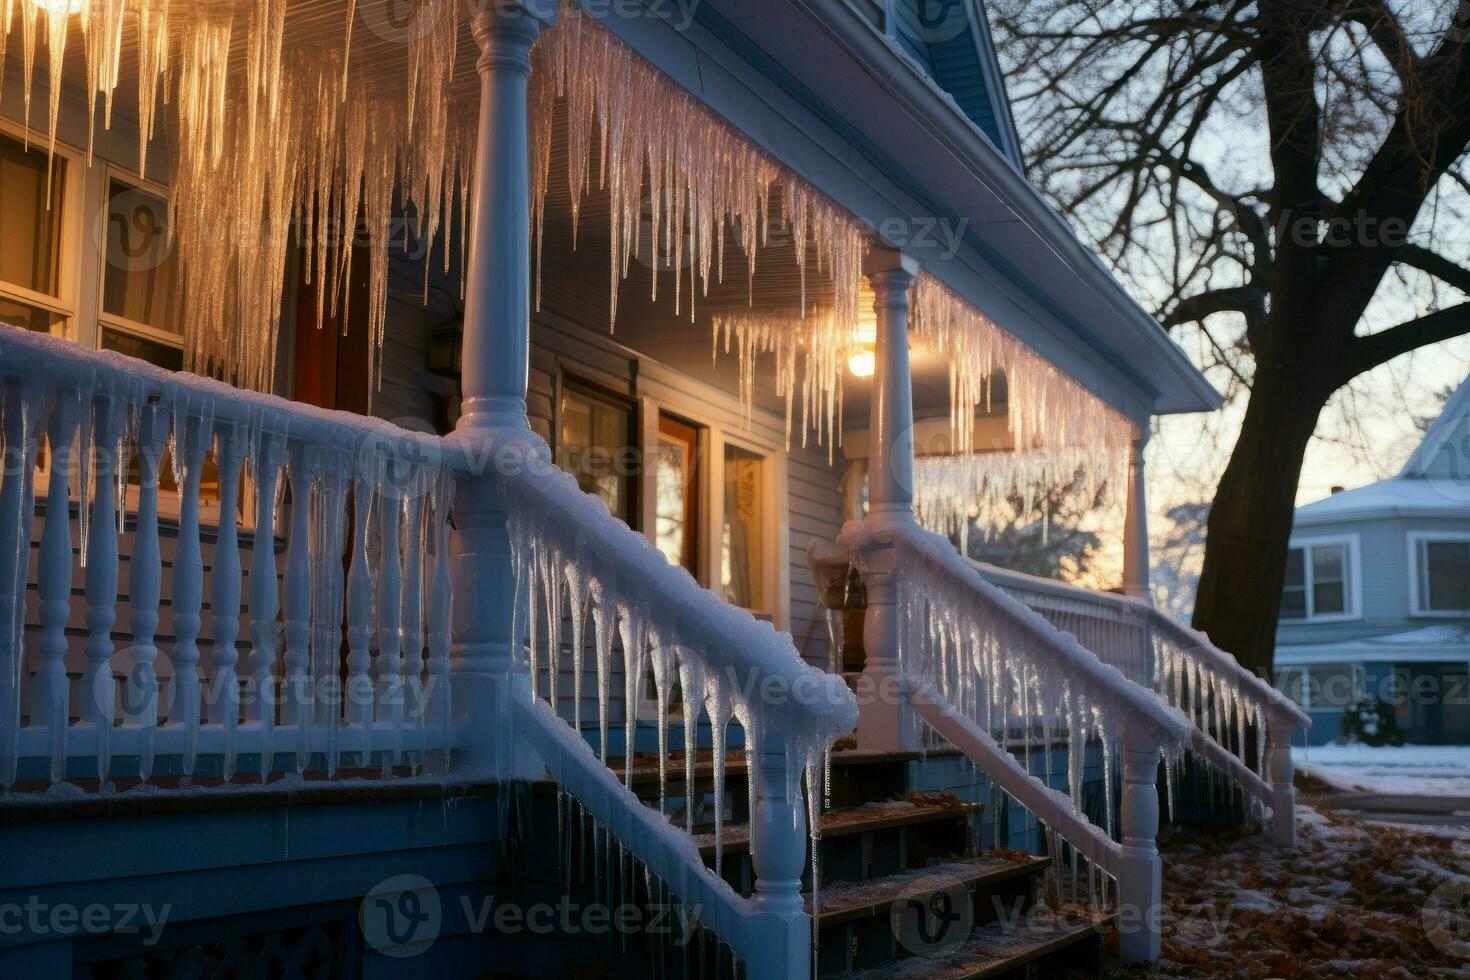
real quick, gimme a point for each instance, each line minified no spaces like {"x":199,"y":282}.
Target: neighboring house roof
{"x":1434,"y":483}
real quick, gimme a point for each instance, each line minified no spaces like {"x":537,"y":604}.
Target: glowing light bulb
{"x":863,"y":364}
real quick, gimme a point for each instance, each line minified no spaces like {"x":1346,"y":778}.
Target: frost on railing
{"x":1227,"y":704}
{"x":1019,"y":681}
{"x":221,"y":650}
{"x":575,"y":563}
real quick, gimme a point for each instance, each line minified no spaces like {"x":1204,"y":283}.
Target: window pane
{"x":1329,"y":580}
{"x":27,"y":317}
{"x":1447,"y":566}
{"x":30,"y":221}
{"x":169,"y":358}
{"x":594,"y":444}
{"x":1294,"y":592}
{"x":139,"y":278}
{"x":741,"y":564}
{"x":1296,"y":572}
{"x":676,"y":505}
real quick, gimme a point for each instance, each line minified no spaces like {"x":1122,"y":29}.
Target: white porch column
{"x":485,"y":666}
{"x":497,"y":313}
{"x":1135,"y":527}
{"x":882,"y":696}
{"x":1280,"y":773}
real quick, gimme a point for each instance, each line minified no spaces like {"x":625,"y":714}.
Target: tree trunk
{"x":1250,"y":521}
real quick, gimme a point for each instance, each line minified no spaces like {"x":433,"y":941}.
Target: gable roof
{"x":1435,"y":482}
{"x":951,"y":41}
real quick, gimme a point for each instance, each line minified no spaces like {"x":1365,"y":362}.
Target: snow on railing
{"x":574,"y":562}
{"x":346,"y":487}
{"x":985,"y":671}
{"x":1236,"y":714}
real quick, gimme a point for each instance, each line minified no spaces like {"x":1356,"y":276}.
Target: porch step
{"x":1038,"y":945}
{"x":845,"y":902}
{"x":866,"y":819}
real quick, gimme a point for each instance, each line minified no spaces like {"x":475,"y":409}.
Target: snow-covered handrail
{"x":283,"y":704}
{"x":571,"y":561}
{"x":1191,"y":642}
{"x":968,"y":607}
{"x":666,"y":852}
{"x":1222,"y":699}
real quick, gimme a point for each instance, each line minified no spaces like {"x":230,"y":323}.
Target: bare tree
{"x":1284,"y":180}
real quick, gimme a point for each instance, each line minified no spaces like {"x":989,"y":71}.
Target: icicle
{"x":604,"y":620}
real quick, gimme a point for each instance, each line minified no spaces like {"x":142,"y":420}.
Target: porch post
{"x":882,"y":696}
{"x":485,"y":668}
{"x":1280,"y":773}
{"x":1140,"y":870}
{"x":1135,"y":526}
{"x":497,"y":313}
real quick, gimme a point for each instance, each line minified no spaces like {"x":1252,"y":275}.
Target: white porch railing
{"x":1243,"y":726}
{"x":977,"y":665}
{"x":572,"y":561}
{"x":363,"y":508}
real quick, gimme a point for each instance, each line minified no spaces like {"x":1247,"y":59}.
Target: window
{"x":31,"y":236}
{"x":595,"y":445}
{"x":677,"y":493}
{"x":1318,"y":583}
{"x":140,"y":315}
{"x":742,"y":557}
{"x":1441,"y":579}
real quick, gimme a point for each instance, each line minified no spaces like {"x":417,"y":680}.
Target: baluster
{"x":98,"y":689}
{"x":295,"y":705}
{"x":390,"y":634}
{"x":145,"y":570}
{"x":49,"y":695}
{"x":441,"y":600}
{"x":359,"y":691}
{"x":190,"y":444}
{"x":17,"y":505}
{"x":412,"y":651}
{"x":1140,"y":871}
{"x":265,"y":595}
{"x":327,"y":596}
{"x":224,"y":595}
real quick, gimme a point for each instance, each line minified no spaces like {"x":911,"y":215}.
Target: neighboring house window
{"x":31,"y":217}
{"x":677,"y":491}
{"x":1442,"y":575}
{"x":1318,"y":581}
{"x":139,"y":310}
{"x":1323,"y":687}
{"x":742,"y":561}
{"x":595,"y":445}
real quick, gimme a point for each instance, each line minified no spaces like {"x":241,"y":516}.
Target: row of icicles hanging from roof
{"x":300,"y":143}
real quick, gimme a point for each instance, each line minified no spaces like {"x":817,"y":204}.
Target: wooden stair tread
{"x":994,"y":949}
{"x":645,"y":770}
{"x":858,"y":820}
{"x":844,"y":901}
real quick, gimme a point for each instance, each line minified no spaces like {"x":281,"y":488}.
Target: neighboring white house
{"x":1377,"y":597}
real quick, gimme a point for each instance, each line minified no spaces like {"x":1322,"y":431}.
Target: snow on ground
{"x":1419,"y":770}
{"x":1353,"y":899}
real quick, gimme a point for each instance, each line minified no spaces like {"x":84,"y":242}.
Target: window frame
{"x":66,"y":304}
{"x":580,"y":384}
{"x":110,"y":172}
{"x":1414,"y":540}
{"x":1352,"y":579}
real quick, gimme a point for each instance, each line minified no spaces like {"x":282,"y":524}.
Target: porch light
{"x":863,"y":364}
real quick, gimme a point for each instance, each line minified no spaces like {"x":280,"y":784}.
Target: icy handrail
{"x":49,"y":361}
{"x":668,"y":853}
{"x":747,"y":664}
{"x":1194,"y":643}
{"x":1051,"y":805}
{"x":1098,"y":681}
